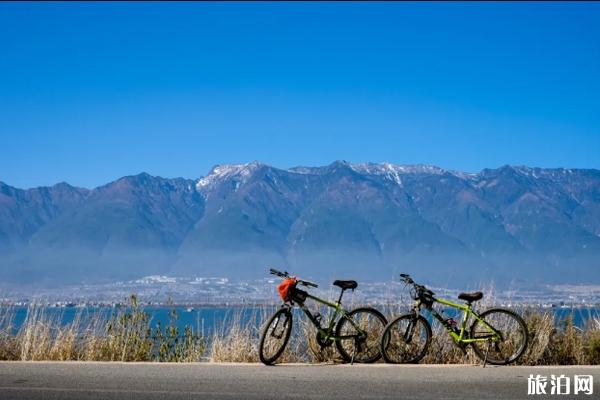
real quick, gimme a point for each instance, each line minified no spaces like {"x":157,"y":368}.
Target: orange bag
{"x":285,"y":287}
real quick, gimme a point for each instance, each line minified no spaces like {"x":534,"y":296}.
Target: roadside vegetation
{"x":127,"y":334}
{"x":124,"y":334}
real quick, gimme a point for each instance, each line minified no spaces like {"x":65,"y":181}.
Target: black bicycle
{"x":355,"y":333}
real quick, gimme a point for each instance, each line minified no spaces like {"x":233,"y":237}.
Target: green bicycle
{"x":356,"y":333}
{"x":497,"y":335}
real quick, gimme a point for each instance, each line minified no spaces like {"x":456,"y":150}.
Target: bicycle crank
{"x":323,"y":342}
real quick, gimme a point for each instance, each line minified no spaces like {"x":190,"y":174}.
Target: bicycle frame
{"x":327,"y":331}
{"x":467,"y":311}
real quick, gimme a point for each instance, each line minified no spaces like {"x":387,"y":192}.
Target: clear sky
{"x":92,"y":92}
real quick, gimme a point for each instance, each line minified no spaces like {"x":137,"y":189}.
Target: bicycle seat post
{"x":341,"y":294}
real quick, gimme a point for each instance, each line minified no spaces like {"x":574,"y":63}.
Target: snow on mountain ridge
{"x":228,"y":171}
{"x":393,"y":172}
{"x":385,"y":168}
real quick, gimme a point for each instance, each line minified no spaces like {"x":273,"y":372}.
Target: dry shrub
{"x":592,"y":341}
{"x":593,"y":348}
{"x":128,"y":335}
{"x":565,"y":347}
{"x":125,"y":335}
{"x":541,"y":328}
{"x":236,"y":340}
{"x":63,"y":347}
{"x":36,"y":335}
{"x":9,"y":348}
{"x":237,"y":345}
{"x":9,"y":345}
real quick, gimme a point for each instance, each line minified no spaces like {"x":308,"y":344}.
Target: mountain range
{"x":363,"y":221}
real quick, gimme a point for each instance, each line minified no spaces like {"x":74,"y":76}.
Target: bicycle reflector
{"x":286,"y":287}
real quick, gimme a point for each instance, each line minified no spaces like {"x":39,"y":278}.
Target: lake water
{"x":206,"y":320}
{"x":202,"y":320}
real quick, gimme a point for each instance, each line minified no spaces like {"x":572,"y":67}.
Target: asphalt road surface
{"x":81,"y":381}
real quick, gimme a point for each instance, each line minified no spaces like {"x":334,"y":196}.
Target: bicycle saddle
{"x":346,"y":284}
{"x":470,"y":297}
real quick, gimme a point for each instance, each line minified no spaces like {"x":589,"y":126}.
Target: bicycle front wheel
{"x":275,"y":336}
{"x":506,"y":335}
{"x":406,"y":339}
{"x":358,"y":335}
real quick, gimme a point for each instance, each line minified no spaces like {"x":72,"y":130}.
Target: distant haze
{"x":365,"y":221}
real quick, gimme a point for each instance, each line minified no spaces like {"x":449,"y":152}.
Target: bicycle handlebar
{"x":308,"y":283}
{"x":286,"y":274}
{"x":406,"y":278}
{"x":420,"y":290}
{"x":273,"y":271}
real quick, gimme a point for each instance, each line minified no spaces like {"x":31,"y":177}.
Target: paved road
{"x":81,"y":381}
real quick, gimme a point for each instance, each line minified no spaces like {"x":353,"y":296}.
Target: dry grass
{"x":310,"y":348}
{"x":236,"y":339}
{"x":125,"y":334}
{"x":541,"y":329}
{"x":549,"y":343}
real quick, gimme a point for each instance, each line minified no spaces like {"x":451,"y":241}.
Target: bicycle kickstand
{"x":487,"y":350}
{"x":353,"y":355}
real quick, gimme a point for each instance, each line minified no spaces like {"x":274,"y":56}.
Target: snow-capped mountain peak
{"x":219,"y":173}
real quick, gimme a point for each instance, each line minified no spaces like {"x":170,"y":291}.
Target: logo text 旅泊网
{"x":560,"y":384}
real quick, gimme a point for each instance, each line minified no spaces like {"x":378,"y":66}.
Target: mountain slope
{"x":364,"y":221}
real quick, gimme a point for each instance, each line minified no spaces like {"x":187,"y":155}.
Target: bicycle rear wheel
{"x":406,"y":339}
{"x":275,"y":336}
{"x":511,"y":342}
{"x":361,"y":344}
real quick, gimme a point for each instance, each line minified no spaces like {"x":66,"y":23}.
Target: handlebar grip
{"x":273,"y":271}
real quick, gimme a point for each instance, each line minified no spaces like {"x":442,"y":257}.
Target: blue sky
{"x":92,"y":92}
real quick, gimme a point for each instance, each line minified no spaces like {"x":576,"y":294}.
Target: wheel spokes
{"x":362,"y":336}
{"x":274,"y":329}
{"x":275,"y":336}
{"x":405,"y":340}
{"x":509,"y":336}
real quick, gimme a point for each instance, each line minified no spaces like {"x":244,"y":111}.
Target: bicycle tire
{"x":372,"y":339}
{"x":287,"y":326}
{"x":390,"y":341}
{"x":520,"y":349}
